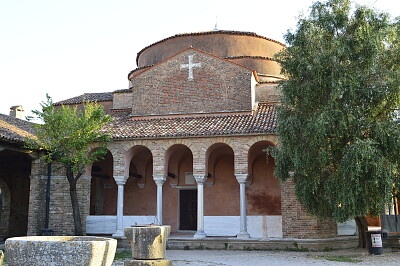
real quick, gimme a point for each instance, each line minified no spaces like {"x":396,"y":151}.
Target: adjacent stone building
{"x":188,"y":147}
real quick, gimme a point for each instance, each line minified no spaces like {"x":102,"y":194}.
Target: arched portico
{"x":140,"y":189}
{"x":221,"y":184}
{"x":179,"y":191}
{"x":103,"y":191}
{"x":263,"y":196}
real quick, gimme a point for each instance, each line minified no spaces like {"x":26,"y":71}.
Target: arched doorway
{"x":221,"y":184}
{"x":140,"y":190}
{"x":180,"y":190}
{"x":103,"y":193}
{"x":264,"y":194}
{"x":15,"y":187}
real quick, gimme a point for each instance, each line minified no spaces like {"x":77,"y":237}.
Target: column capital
{"x":200,"y":179}
{"x":120,"y":180}
{"x":242,"y":178}
{"x":159,"y":179}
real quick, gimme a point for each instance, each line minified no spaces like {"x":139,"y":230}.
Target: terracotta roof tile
{"x":92,"y":97}
{"x":15,"y":130}
{"x":123,"y":90}
{"x":124,"y":126}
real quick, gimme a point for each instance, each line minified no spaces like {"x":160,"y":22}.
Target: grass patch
{"x":350,"y":259}
{"x":123,"y":254}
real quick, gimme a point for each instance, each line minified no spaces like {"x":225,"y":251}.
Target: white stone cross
{"x":190,"y":66}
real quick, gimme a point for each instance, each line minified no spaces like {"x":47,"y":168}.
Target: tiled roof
{"x":92,"y":97}
{"x":232,"y":32}
{"x":249,"y":56}
{"x":124,"y":126}
{"x":15,"y":130}
{"x":123,"y":90}
{"x":139,"y":68}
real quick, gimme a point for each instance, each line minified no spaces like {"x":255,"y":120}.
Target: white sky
{"x":69,"y":47}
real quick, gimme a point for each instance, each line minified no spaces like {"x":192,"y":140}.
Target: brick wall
{"x":122,"y":100}
{"x":61,"y":220}
{"x":217,"y":86}
{"x":296,"y":223}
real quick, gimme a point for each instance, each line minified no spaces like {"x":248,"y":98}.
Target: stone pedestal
{"x":148,"y":244}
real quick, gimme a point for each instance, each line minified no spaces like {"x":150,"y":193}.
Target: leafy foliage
{"x":67,"y":132}
{"x":66,"y":135}
{"x":337,"y":123}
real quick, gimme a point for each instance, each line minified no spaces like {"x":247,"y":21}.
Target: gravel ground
{"x":254,"y":258}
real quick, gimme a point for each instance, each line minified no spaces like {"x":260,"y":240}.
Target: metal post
{"x":46,"y":231}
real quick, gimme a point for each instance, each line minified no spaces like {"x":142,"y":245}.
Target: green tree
{"x":337,"y":123}
{"x":66,"y":134}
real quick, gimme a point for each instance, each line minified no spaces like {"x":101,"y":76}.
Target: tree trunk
{"x":362,"y":227}
{"x":74,"y":202}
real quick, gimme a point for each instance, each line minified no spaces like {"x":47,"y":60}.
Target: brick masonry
{"x":218,"y":86}
{"x":60,"y":218}
{"x":296,"y":223}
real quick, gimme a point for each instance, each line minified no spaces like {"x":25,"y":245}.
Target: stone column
{"x":200,"y":179}
{"x":120,"y":180}
{"x":242,"y":178}
{"x":159,"y":179}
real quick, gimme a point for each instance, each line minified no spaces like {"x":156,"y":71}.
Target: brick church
{"x":188,"y":141}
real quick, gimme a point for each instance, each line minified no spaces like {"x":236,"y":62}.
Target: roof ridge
{"x":97,"y":97}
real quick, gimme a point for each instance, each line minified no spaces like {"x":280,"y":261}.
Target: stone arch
{"x":178,"y":170}
{"x":139,"y":190}
{"x":5,"y":204}
{"x":103,"y":190}
{"x":263,"y":195}
{"x":178,"y":160}
{"x":221,"y":184}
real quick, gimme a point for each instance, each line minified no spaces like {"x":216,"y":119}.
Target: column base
{"x":243,"y":235}
{"x":119,"y":234}
{"x":199,"y":235}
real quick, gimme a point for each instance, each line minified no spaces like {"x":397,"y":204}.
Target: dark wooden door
{"x":188,"y":209}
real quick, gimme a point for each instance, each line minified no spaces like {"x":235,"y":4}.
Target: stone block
{"x":60,"y":250}
{"x":148,"y":241}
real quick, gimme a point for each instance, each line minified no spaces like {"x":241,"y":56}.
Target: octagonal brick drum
{"x":246,"y":48}
{"x":60,"y":250}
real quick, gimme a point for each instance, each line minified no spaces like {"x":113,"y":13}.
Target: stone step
{"x":217,"y":243}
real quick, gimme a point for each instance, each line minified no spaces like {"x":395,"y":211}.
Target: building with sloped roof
{"x":189,"y":136}
{"x":15,"y":169}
